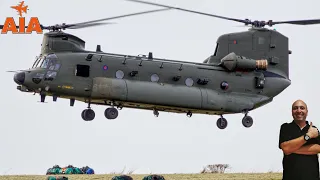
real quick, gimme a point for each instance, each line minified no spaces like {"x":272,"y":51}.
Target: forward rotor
{"x":86,"y":24}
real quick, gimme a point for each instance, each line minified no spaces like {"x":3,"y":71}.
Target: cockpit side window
{"x":37,"y":61}
{"x":44,"y":63}
{"x":52,"y":64}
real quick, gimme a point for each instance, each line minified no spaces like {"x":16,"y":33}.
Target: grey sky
{"x":35,"y":136}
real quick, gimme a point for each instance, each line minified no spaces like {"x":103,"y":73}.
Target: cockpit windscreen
{"x":47,"y":62}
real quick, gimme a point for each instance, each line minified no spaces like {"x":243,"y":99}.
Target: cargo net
{"x":69,"y":170}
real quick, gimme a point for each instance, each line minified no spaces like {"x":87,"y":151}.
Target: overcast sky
{"x":35,"y":136}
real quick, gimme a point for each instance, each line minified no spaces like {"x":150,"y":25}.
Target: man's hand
{"x":312,"y":131}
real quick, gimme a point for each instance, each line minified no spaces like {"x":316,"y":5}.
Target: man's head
{"x":299,"y":110}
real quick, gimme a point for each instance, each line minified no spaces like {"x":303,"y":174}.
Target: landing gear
{"x":87,"y":114}
{"x":247,"y":121}
{"x":111,"y":113}
{"x":222,"y":123}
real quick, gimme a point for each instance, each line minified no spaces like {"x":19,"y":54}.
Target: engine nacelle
{"x":234,"y":62}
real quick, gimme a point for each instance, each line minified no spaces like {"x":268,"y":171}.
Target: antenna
{"x":98,"y":48}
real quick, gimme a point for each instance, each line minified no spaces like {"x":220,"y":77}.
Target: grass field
{"x":226,"y":176}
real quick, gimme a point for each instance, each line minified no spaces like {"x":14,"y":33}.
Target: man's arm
{"x":293,"y":145}
{"x":308,"y":149}
{"x":290,"y":146}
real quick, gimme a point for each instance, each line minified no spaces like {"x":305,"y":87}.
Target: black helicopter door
{"x":83,"y":79}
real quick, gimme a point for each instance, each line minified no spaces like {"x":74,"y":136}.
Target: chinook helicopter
{"x":245,"y":72}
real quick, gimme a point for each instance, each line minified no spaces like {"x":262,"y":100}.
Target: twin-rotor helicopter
{"x":246,"y":71}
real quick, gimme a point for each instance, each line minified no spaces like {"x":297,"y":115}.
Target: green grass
{"x":226,"y":176}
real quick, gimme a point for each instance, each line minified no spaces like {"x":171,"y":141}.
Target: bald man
{"x":299,"y":142}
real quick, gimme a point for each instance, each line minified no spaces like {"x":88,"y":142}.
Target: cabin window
{"x":119,"y":74}
{"x":154,"y":78}
{"x":189,"y":82}
{"x":83,"y":70}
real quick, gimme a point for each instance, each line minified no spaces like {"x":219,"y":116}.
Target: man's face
{"x":299,"y":111}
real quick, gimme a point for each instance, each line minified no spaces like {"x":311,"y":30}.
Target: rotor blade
{"x":94,"y":22}
{"x":212,"y":15}
{"x":17,"y":71}
{"x":299,"y":22}
{"x":116,"y":17}
{"x":245,"y":21}
{"x":79,"y":26}
{"x":13,"y":71}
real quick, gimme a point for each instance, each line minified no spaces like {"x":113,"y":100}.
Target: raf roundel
{"x":105,"y":67}
{"x":224,"y":85}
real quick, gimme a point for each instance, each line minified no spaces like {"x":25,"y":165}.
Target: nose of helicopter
{"x":19,"y":77}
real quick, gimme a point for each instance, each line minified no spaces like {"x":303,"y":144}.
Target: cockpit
{"x":50,"y":64}
{"x":47,"y":62}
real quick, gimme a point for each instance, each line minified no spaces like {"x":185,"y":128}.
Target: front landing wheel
{"x":222,"y":123}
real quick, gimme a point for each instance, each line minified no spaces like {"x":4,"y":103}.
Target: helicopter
{"x":246,"y":71}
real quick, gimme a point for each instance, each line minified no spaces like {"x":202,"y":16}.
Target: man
{"x":299,"y":142}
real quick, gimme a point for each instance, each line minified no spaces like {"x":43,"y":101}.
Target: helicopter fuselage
{"x":145,"y":83}
{"x":225,"y":83}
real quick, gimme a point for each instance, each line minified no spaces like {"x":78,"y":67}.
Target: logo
{"x":21,"y":28}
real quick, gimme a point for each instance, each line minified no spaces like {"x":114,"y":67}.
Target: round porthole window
{"x":119,"y":74}
{"x":224,"y":85}
{"x":154,"y":78}
{"x":189,"y":82}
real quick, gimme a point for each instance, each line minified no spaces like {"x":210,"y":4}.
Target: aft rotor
{"x":255,"y":23}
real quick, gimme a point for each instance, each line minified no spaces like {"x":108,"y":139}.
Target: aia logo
{"x":21,"y":8}
{"x":21,"y":28}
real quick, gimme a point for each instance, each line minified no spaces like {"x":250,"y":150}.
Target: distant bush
{"x":215,"y":168}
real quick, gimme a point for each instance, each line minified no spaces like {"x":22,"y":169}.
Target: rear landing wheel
{"x":88,"y":114}
{"x":222,"y":123}
{"x":111,"y":113}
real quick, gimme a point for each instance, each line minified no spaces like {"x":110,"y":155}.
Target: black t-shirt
{"x":298,"y":166}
